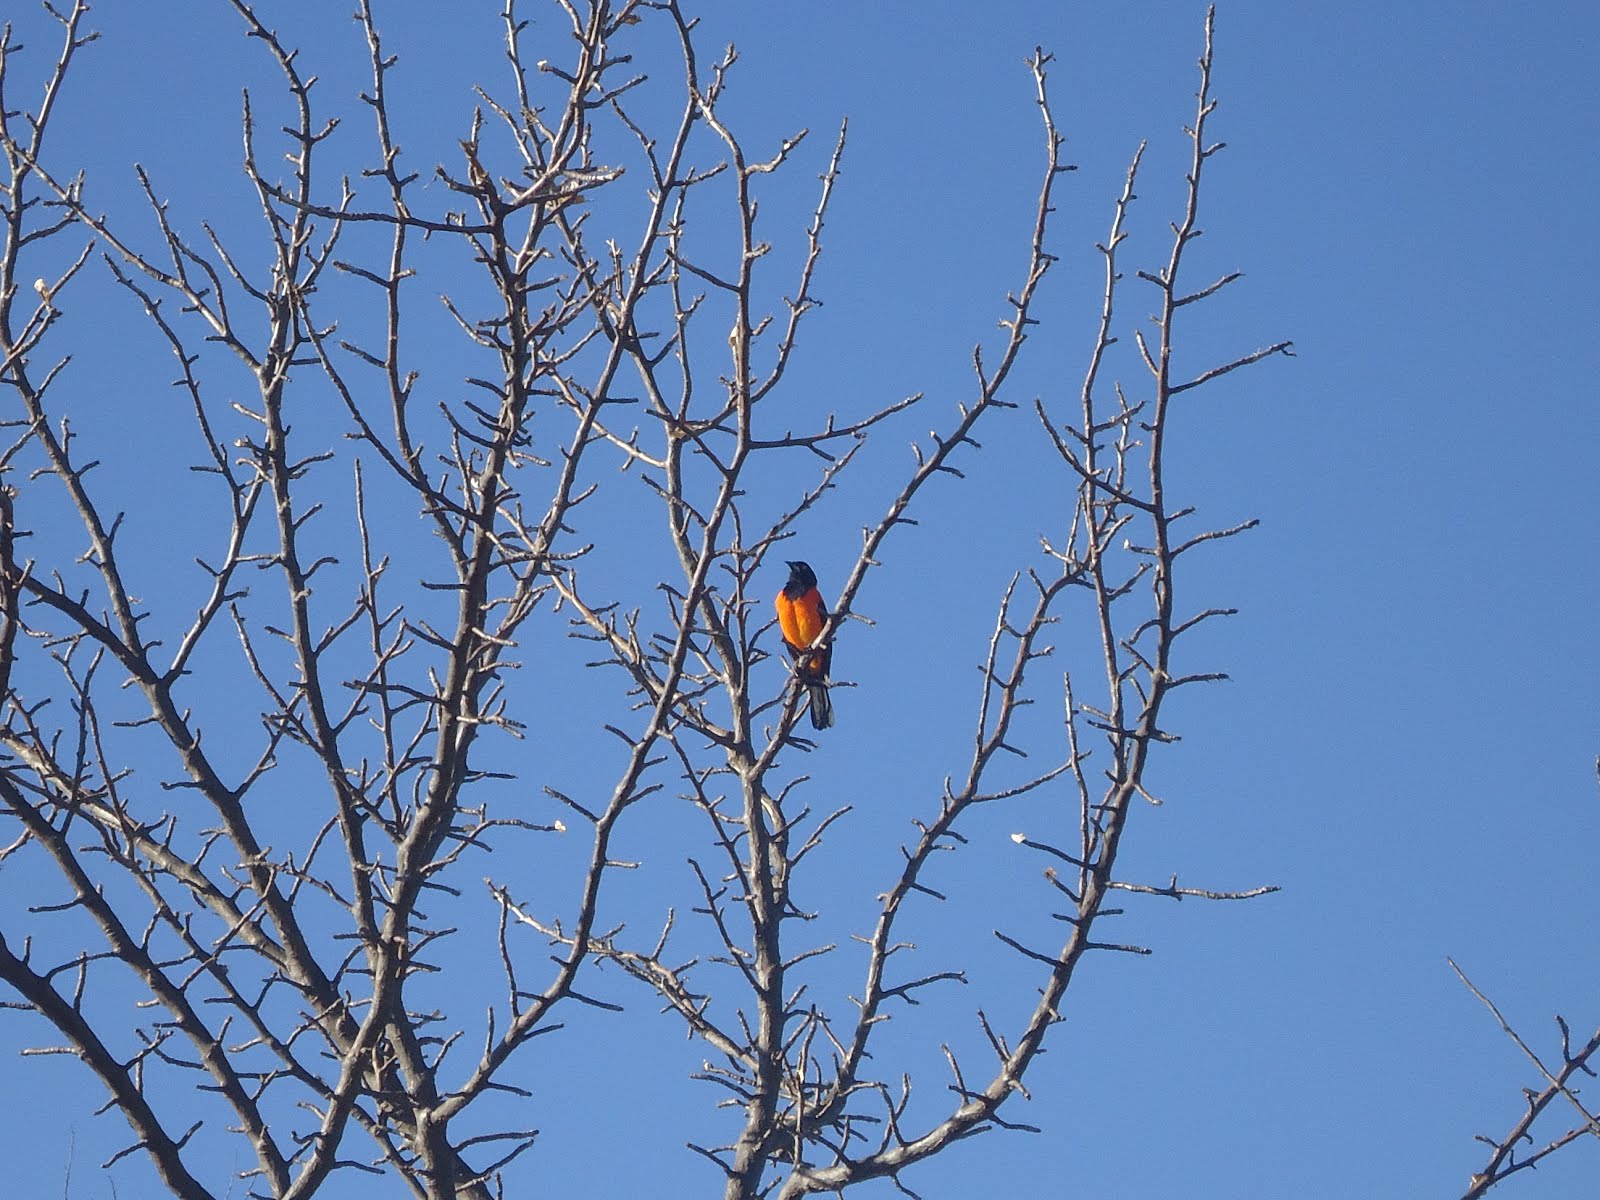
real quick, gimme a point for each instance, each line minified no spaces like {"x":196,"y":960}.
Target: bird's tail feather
{"x":821,"y":706}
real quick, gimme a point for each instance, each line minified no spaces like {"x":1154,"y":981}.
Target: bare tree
{"x":293,"y":887}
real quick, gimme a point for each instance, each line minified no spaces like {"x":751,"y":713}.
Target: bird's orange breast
{"x":800,"y":620}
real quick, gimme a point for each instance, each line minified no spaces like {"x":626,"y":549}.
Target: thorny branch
{"x":1504,"y":1157}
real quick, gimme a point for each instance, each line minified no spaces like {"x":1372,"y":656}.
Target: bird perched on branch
{"x":801,"y":616}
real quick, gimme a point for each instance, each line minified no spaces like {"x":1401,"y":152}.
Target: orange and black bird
{"x":801,"y":616}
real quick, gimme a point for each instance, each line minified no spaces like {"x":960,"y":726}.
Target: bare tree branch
{"x":1504,"y":1159}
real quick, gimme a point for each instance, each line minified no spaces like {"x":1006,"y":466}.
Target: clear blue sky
{"x":1408,"y":745}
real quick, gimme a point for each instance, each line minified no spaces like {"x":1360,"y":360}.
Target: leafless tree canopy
{"x":261,"y":796}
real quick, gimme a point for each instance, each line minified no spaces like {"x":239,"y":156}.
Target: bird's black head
{"x":801,"y":578}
